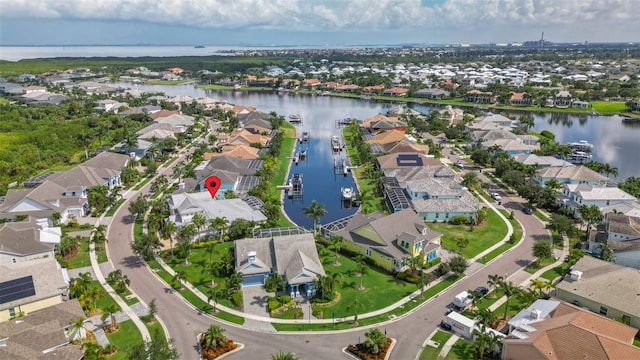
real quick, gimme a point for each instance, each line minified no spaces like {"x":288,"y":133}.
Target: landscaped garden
{"x":432,"y":353}
{"x":479,"y":238}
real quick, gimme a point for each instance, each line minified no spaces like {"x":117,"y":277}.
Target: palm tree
{"x":99,"y":234}
{"x":462,"y":242}
{"x":179,"y":276}
{"x":281,"y":355}
{"x":508,"y":289}
{"x":486,"y":317}
{"x":423,"y":281}
{"x":234,"y":281}
{"x":355,"y":306}
{"x":494,"y":282}
{"x":362,"y":269}
{"x":169,"y":231}
{"x":526,"y":297}
{"x":77,"y":328}
{"x":275,"y":282}
{"x":470,"y":180}
{"x":375,"y":341}
{"x":474,"y":296}
{"x":112,"y":310}
{"x":213,"y":337}
{"x":336,"y":245}
{"x":537,"y":286}
{"x":199,"y":221}
{"x":314,"y":211}
{"x":219,"y":225}
{"x":212,"y":268}
{"x":214,"y":295}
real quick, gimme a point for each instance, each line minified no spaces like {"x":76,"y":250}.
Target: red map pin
{"x":213,"y":184}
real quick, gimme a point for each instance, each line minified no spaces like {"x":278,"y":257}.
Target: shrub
{"x":273,"y":303}
{"x":236,"y":299}
{"x":284,"y":299}
{"x":459,"y":220}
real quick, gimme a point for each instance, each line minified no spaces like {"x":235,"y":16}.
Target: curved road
{"x":184,"y":322}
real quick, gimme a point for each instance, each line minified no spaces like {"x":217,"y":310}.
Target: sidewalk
{"x":524,"y":278}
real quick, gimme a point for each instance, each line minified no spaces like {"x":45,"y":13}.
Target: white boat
{"x":335,"y":143}
{"x":582,"y":145}
{"x":347,"y":193}
{"x":237,"y":87}
{"x":295,"y":118}
{"x":305,"y":136}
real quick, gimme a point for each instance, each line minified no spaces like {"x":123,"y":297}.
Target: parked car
{"x":495,"y":196}
{"x":460,"y":164}
{"x":449,"y":311}
{"x":527,"y":210}
{"x":482,"y":290}
{"x":444,"y":325}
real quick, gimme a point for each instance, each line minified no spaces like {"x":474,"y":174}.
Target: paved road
{"x":183,"y":322}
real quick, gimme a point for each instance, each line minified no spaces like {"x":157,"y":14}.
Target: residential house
{"x":402,"y":160}
{"x":622,"y":234}
{"x":231,"y":171}
{"x":294,"y":257}
{"x":405,"y":146}
{"x":111,"y":105}
{"x":242,"y":137}
{"x":552,"y":330}
{"x":386,"y":137}
{"x":104,"y":169}
{"x":604,"y":288}
{"x":562,"y":99}
{"x":396,"y":91}
{"x":28,"y":286}
{"x":635,"y":105}
{"x":147,"y":109}
{"x":511,"y":146}
{"x":182,"y":207}
{"x":520,"y":99}
{"x":43,"y":97}
{"x":347,"y":88}
{"x":480,"y":97}
{"x":435,"y":192}
{"x":162,"y":113}
{"x":139,"y":150}
{"x":34,"y":88}
{"x":540,"y":161}
{"x":246,"y":152}
{"x":28,"y":240}
{"x":311,"y":83}
{"x":432,"y":93}
{"x":388,"y":240}
{"x":380,"y":122}
{"x":567,"y":174}
{"x":44,"y":334}
{"x":400,"y":111}
{"x":575,"y":195}
{"x":373,"y":89}
{"x":43,"y":201}
{"x":178,"y":122}
{"x":454,"y":116}
{"x":491,"y":121}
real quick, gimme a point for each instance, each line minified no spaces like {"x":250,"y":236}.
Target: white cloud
{"x":336,"y":15}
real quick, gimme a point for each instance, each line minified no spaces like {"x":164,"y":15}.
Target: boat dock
{"x":294,"y":187}
{"x":295,"y":118}
{"x":335,"y":144}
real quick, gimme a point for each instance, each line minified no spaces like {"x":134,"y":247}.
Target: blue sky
{"x":314,"y":22}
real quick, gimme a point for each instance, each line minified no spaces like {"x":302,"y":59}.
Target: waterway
{"x":615,"y":142}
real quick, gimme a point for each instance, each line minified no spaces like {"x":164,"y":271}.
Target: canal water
{"x":615,"y":142}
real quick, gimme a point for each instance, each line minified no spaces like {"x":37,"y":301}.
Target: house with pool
{"x":294,"y":257}
{"x":388,"y":240}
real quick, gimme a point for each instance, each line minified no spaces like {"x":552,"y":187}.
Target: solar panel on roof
{"x":376,"y":149}
{"x":248,"y":182}
{"x":409,"y":160}
{"x":256,"y":164}
{"x":16,"y":289}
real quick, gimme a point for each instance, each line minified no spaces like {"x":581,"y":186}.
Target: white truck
{"x":461,"y":301}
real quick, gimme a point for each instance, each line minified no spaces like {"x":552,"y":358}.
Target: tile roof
{"x":24,"y":238}
{"x":47,"y":276}
{"x":623,"y":224}
{"x":575,"y":173}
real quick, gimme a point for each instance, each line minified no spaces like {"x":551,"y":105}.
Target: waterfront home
{"x":605,"y":288}
{"x":109,"y":105}
{"x":294,"y":257}
{"x":432,"y":93}
{"x":481,"y":97}
{"x":491,"y":121}
{"x":28,"y":240}
{"x":347,"y":88}
{"x":311,"y":83}
{"x":146,"y":109}
{"x":396,"y":91}
{"x":182,"y":207}
{"x":550,"y":330}
{"x":246,"y":152}
{"x":566,"y":174}
{"x":511,"y":146}
{"x":435,"y":192}
{"x":385,"y":137}
{"x":453,"y":115}
{"x":520,"y":99}
{"x":575,"y":195}
{"x":177,"y":122}
{"x":401,"y":160}
{"x":622,"y":234}
{"x":406,"y":146}
{"x":388,"y":240}
{"x":380,"y":122}
{"x":43,"y":334}
{"x":231,"y":171}
{"x":162,"y":113}
{"x":28,"y":286}
{"x":540,"y":161}
{"x":242,"y":137}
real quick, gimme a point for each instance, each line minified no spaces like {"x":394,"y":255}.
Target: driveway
{"x":254,"y":300}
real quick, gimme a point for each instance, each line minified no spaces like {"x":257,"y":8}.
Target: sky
{"x":314,"y":22}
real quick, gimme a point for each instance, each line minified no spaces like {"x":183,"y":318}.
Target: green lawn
{"x":461,"y":350}
{"x":554,"y":273}
{"x":608,"y":107}
{"x":127,"y":336}
{"x":282,"y":166}
{"x":142,"y":183}
{"x":540,"y":215}
{"x":364,"y":184}
{"x":431,"y":353}
{"x":481,"y":238}
{"x":115,"y":207}
{"x":155,"y":327}
{"x":81,"y":259}
{"x":169,"y":82}
{"x":375,"y":284}
{"x":106,"y":300}
{"x":348,"y":323}
{"x":533,"y":267}
{"x":514,"y":307}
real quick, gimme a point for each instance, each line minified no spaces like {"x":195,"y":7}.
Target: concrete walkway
{"x":123,"y":305}
{"x":448,"y":345}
